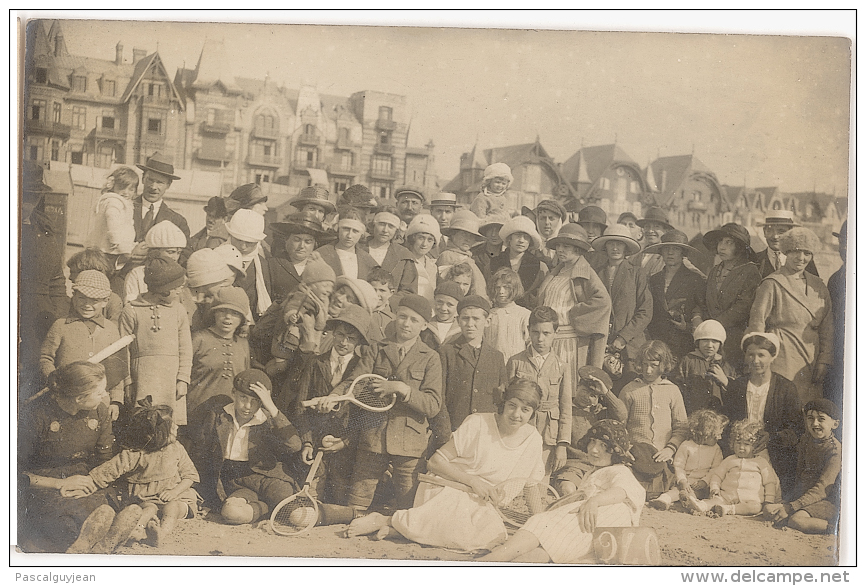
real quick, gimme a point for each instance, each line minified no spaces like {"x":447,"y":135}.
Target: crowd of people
{"x":605,"y":359}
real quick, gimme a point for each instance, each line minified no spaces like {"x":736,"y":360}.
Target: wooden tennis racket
{"x":299,"y":513}
{"x":516,"y":499}
{"x":363,"y":394}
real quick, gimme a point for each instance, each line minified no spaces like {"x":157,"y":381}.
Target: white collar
{"x":257,"y":419}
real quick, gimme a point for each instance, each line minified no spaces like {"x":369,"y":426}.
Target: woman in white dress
{"x":487,"y":449}
{"x":608,"y":497}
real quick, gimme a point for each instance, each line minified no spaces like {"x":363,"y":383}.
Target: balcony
{"x":343,"y":171}
{"x":306,"y":165}
{"x":383,"y":149}
{"x":266,"y":133}
{"x":108,"y":134}
{"x":257,"y":160}
{"x":344,"y":144}
{"x":697,"y":206}
{"x":212,"y":154}
{"x":308,"y":139}
{"x":218,"y":127}
{"x":47,"y":128}
{"x":384,"y":175}
{"x":383,"y":124}
{"x":157,"y":101}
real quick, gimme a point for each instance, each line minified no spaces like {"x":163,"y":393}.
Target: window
{"x":340,"y":186}
{"x":777,"y":205}
{"x":385,"y":112}
{"x":108,"y":87}
{"x":263,"y":178}
{"x":38,"y":110}
{"x":344,"y":134}
{"x":78,"y":158}
{"x":34,"y":153}
{"x":381,"y":190}
{"x":696,"y":195}
{"x":79,"y":117}
{"x":57,"y":108}
{"x":384,"y":137}
{"x":154,"y":89}
{"x":154,"y":126}
{"x":532,"y":179}
{"x":265,"y":122}
{"x":381,"y":163}
{"x":79,"y":83}
{"x":108,"y":119}
{"x":266,"y":150}
{"x":634,"y":187}
{"x":347,"y":160}
{"x":306,"y":157}
{"x":41,"y":75}
{"x":310,"y":129}
{"x":311,"y":158}
{"x":605,"y":183}
{"x":55,"y":150}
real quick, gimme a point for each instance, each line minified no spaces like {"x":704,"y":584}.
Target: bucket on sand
{"x":632,"y":546}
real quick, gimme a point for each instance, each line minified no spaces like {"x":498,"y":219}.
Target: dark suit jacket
{"x":531,"y":275}
{"x":631,"y":305}
{"x":472,"y":385}
{"x":686,"y":296}
{"x":762,"y":259}
{"x":366,"y":263}
{"x":270,"y":444}
{"x":730,"y":305}
{"x":284,"y":278}
{"x":404,"y":430}
{"x":783,"y":421}
{"x":164,"y":213}
{"x":401,"y":264}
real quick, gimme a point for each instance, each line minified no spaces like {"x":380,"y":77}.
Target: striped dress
{"x":557,"y":292}
{"x":558,"y":530}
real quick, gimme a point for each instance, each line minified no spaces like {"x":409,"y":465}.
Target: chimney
{"x":118,"y":53}
{"x":58,"y":44}
{"x":664,"y":185}
{"x":138,"y":55}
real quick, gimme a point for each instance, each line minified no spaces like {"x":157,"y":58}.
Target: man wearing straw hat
{"x":442,"y":207}
{"x":771,"y":259}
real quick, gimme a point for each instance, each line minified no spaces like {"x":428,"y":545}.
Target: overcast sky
{"x":764,"y":110}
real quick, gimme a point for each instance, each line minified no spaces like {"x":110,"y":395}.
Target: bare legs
{"x":523,"y":546}
{"x":157,"y":531}
{"x":803,"y":521}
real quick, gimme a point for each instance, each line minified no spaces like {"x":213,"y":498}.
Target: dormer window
{"x":79,"y":83}
{"x":41,"y":75}
{"x":108,"y":87}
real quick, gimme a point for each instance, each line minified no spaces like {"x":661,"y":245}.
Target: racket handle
{"x":316,"y":401}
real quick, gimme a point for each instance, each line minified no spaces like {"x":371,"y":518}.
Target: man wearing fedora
{"x":214,"y":232}
{"x":442,"y":207}
{"x":150,"y":209}
{"x":771,"y":259}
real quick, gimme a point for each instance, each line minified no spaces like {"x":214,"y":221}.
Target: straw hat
{"x":316,"y":195}
{"x":617,"y":233}
{"x":779,"y":218}
{"x":443,"y":199}
{"x":247,"y":225}
{"x":521,"y":224}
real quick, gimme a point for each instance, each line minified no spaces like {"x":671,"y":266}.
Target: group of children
{"x":201,"y":417}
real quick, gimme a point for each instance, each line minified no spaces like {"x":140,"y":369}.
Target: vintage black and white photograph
{"x":423,"y":293}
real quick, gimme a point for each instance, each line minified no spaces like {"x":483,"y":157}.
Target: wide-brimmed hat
{"x":206,"y":267}
{"x":546,"y":204}
{"x":592,"y":215}
{"x":93,"y":284}
{"x":301,"y":223}
{"x":363,"y":290}
{"x":317,"y":195}
{"x":573,"y":234}
{"x":358,"y":196}
{"x":498,"y":170}
{"x":464,"y":221}
{"x":739,"y":233}
{"x":613,"y":434}
{"x":246,"y":196}
{"x":521,"y":224}
{"x":159,"y":164}
{"x":408,"y":190}
{"x":655,"y":214}
{"x":779,"y":218}
{"x":799,"y":238}
{"x":495,"y":220}
{"x":426,"y":224}
{"x":443,"y":199}
{"x":356,"y":317}
{"x":673,"y":238}
{"x":233,"y":298}
{"x":617,"y":233}
{"x":247,"y":225}
{"x":216,"y":206}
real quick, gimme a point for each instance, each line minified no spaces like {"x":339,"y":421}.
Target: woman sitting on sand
{"x":487,"y":449}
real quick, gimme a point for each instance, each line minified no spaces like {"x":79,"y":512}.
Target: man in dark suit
{"x":771,"y":259}
{"x":150,"y":209}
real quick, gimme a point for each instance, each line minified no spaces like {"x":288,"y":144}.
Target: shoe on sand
{"x":94,"y":528}
{"x":659,"y":504}
{"x":693,"y":503}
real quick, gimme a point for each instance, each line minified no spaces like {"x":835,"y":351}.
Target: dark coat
{"x":762,"y":260}
{"x":730,"y":305}
{"x":248,"y":281}
{"x":366,"y":263}
{"x":401,"y":264}
{"x":472,"y":385}
{"x":531,"y":275}
{"x":164,"y":213}
{"x":403,"y":431}
{"x":270,"y":445}
{"x":631,"y":305}
{"x":686,"y":297}
{"x":783,"y":421}
{"x":834,"y":380}
{"x":284,"y":278}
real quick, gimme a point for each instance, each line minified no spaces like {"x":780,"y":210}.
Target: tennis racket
{"x":516,"y":499}
{"x":362,"y":393}
{"x":299,"y":513}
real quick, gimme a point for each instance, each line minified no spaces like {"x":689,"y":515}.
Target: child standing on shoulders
{"x":815,"y":508}
{"x":703,"y":374}
{"x":696,"y":458}
{"x":743,"y":482}
{"x":443,"y":327}
{"x":239,"y":446}
{"x":537,"y":363}
{"x":656,"y":413}
{"x":161,"y":354}
{"x":509,"y":322}
{"x":593,"y":401}
{"x":158,"y":471}
{"x":114,"y":231}
{"x":383,"y":283}
{"x":219,"y":353}
{"x":473,"y":371}
{"x":414,"y":374}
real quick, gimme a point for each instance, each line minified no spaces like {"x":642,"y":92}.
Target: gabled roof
{"x":733,"y":193}
{"x":212,"y":68}
{"x":597,"y":159}
{"x":675,"y":170}
{"x":514,"y":155}
{"x":138,"y":73}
